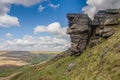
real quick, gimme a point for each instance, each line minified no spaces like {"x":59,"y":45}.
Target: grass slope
{"x":102,"y":62}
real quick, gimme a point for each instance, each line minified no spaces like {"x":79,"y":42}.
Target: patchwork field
{"x":12,"y":61}
{"x":4,"y":61}
{"x":20,"y":58}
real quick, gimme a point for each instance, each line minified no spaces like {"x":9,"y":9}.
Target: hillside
{"x":20,"y":58}
{"x":12,"y":61}
{"x":94,"y":53}
{"x":101,"y":62}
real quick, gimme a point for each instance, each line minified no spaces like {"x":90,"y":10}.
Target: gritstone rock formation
{"x":86,"y":32}
{"x":104,"y":24}
{"x":79,"y":32}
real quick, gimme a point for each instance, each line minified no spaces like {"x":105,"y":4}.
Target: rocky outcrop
{"x":106,"y":20}
{"x":86,"y":32}
{"x":104,"y":24}
{"x":79,"y":31}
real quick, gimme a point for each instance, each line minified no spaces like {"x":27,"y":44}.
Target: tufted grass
{"x":101,"y":62}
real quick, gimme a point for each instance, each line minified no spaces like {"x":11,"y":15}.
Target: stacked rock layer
{"x":85,"y":32}
{"x":79,"y":31}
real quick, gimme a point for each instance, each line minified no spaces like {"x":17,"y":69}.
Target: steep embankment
{"x":101,"y":62}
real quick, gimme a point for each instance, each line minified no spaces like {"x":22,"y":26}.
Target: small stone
{"x":111,"y":21}
{"x":117,"y":47}
{"x":70,"y":67}
{"x":107,"y":35}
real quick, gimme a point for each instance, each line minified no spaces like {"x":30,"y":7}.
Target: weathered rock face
{"x":83,"y":31}
{"x":103,"y":25}
{"x":79,"y":31}
{"x":107,"y":19}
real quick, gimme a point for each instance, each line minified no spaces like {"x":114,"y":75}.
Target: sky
{"x":40,"y":25}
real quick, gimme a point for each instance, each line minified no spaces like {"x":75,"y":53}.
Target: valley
{"x":12,"y":61}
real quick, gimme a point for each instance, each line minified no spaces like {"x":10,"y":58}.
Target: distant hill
{"x":23,"y":57}
{"x":12,"y":61}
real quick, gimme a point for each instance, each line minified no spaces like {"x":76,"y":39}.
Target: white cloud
{"x":7,"y":20}
{"x":53,"y":28}
{"x":9,"y":35}
{"x":93,"y":6}
{"x":41,"y":8}
{"x":60,"y":41}
{"x":45,"y":43}
{"x":39,"y":29}
{"x":4,"y":8}
{"x":21,"y":2}
{"x":54,"y":6}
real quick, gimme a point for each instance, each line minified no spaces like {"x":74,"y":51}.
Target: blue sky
{"x":41,"y":24}
{"x":28,"y":17}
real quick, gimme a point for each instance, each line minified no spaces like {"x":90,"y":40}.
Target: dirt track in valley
{"x":11,"y":76}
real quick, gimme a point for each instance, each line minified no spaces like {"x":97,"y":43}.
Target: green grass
{"x":36,"y":59}
{"x":4,"y":72}
{"x":101,"y":62}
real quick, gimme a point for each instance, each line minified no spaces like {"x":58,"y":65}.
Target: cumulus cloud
{"x":21,"y":2}
{"x":9,"y":35}
{"x":60,"y":41}
{"x":29,"y":42}
{"x":7,"y":20}
{"x":93,"y":6}
{"x":53,"y":28}
{"x":41,"y":8}
{"x":54,"y":6}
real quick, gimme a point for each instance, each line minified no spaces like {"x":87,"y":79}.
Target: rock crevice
{"x":86,"y":32}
